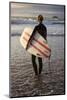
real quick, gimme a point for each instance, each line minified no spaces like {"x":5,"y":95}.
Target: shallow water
{"x":23,"y":82}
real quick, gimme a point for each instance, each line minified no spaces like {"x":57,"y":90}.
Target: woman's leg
{"x":40,"y":64}
{"x":34,"y":64}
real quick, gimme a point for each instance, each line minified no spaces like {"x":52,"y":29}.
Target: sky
{"x":33,"y":10}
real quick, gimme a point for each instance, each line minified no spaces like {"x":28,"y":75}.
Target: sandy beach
{"x":23,"y":81}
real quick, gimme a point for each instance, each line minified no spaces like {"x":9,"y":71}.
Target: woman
{"x":41,"y":29}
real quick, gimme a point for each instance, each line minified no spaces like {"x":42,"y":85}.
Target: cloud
{"x":20,"y":5}
{"x":27,"y":9}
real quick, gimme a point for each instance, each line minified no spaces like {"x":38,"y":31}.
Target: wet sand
{"x":23,"y":81}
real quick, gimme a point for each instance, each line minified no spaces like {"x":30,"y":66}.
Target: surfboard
{"x":38,"y":46}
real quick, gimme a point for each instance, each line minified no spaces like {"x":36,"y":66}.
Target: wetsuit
{"x":41,"y":29}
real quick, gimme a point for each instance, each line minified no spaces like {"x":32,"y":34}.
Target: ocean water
{"x":22,"y":79}
{"x":54,"y":27}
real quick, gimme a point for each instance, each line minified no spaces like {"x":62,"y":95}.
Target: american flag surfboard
{"x":38,"y":46}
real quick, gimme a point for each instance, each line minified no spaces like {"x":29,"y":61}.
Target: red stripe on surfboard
{"x":36,"y":48}
{"x":39,"y":50}
{"x":25,"y":39}
{"x":40,"y":43}
{"x":27,"y":34}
